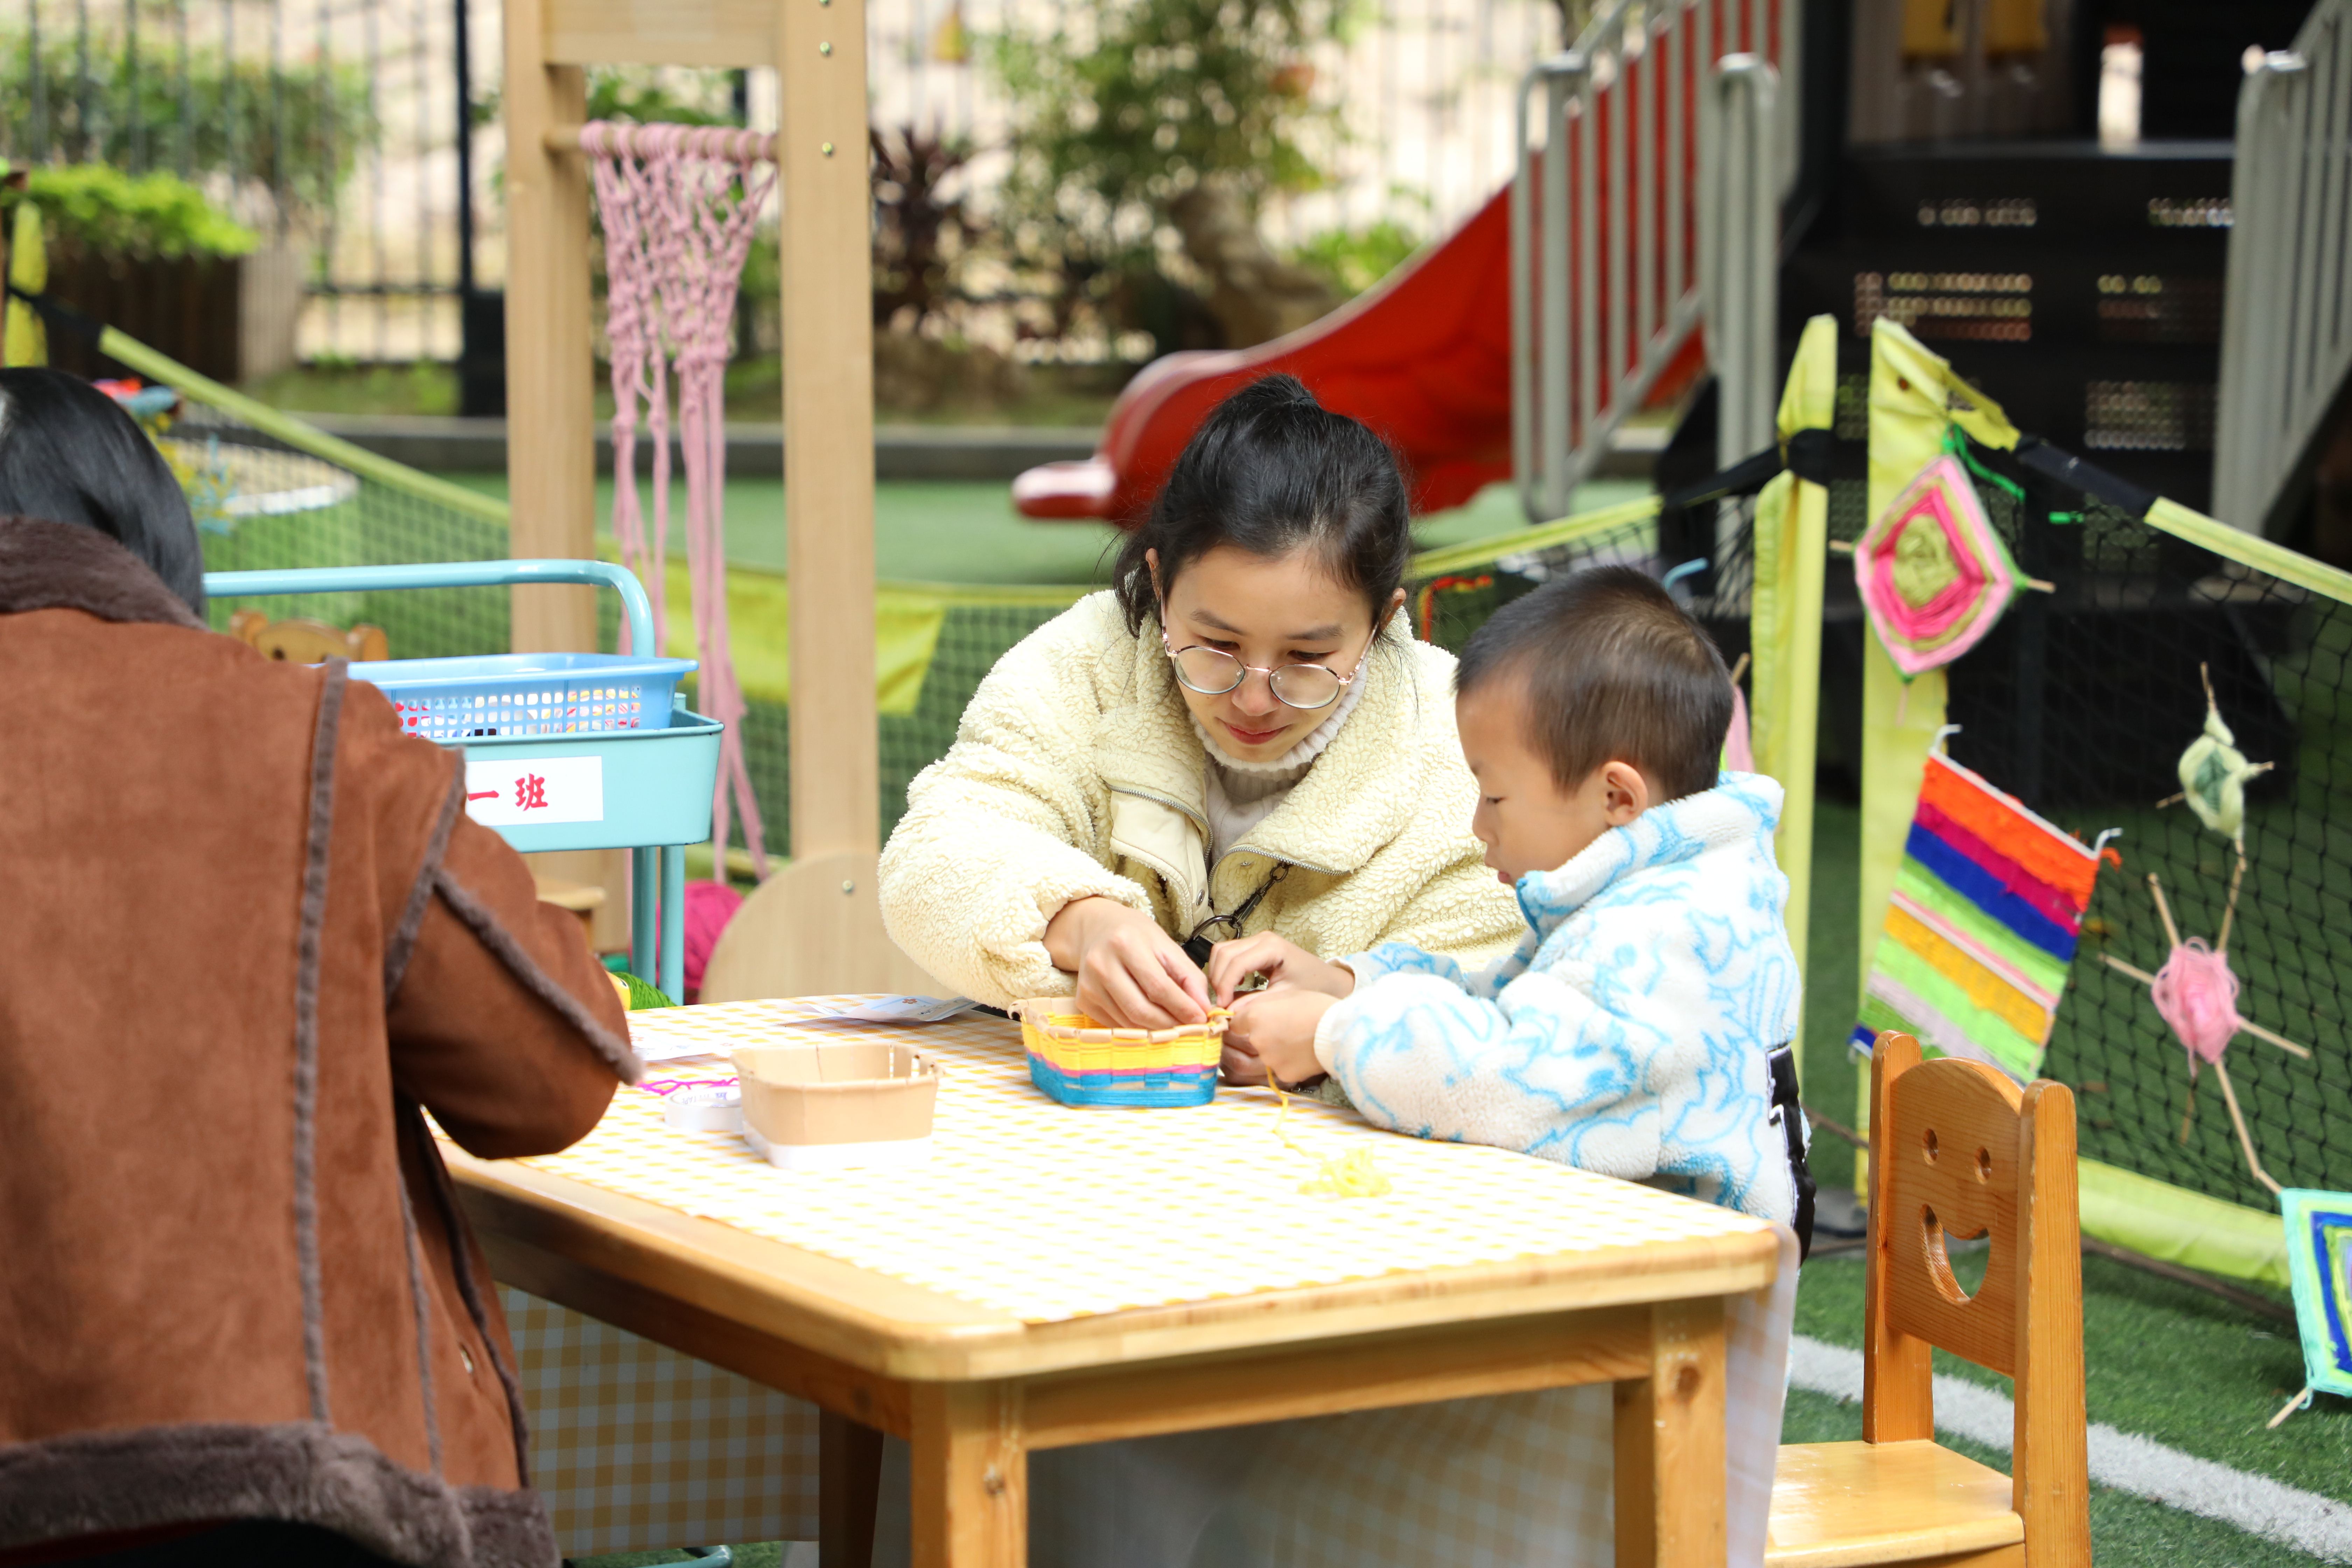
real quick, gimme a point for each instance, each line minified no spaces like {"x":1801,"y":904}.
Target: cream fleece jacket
{"x":1076,"y":773}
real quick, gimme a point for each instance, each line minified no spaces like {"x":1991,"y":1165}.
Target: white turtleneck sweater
{"x":1242,"y":794}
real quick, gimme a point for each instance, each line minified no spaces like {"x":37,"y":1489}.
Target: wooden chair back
{"x":298,"y":639}
{"x":1957,"y":1150}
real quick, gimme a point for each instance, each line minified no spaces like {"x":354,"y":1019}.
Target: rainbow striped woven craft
{"x":1986,"y":910}
{"x":1080,"y":1064}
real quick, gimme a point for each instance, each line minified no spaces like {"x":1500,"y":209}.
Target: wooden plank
{"x":1686,"y":1412}
{"x":550,"y":370}
{"x":768,"y":1359}
{"x":1951,"y":1150}
{"x":849,"y":1480}
{"x":2049,"y":1441}
{"x":828,"y":370}
{"x":972,"y":1477}
{"x":1636,"y":1474}
{"x":569,"y":1242}
{"x":1524,"y":1287}
{"x":660,"y":32}
{"x":1897,"y":1370}
{"x":869,"y":1319}
{"x":807,"y":931}
{"x":1332,"y":1378}
{"x":1841,"y":1505}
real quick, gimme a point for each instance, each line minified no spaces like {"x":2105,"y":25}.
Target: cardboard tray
{"x":830,"y":1108}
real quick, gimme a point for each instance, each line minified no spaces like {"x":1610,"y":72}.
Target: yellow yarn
{"x":1351,"y":1176}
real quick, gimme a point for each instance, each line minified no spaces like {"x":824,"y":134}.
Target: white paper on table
{"x":898,"y":1010}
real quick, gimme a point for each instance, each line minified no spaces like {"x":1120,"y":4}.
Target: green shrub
{"x":96,"y":208}
{"x":1123,"y":105}
{"x":1353,"y":259}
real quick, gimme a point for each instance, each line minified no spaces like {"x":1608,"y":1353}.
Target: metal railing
{"x":1653,"y":156}
{"x":2286,"y":322}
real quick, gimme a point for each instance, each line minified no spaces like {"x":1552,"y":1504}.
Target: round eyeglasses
{"x":1212,"y":672}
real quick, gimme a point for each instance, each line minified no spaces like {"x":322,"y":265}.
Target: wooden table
{"x":975,"y":1387}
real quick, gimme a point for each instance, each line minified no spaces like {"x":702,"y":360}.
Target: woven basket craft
{"x":1078,"y":1063}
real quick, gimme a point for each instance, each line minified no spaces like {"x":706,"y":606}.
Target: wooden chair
{"x":1956,"y":1150}
{"x":301,"y":641}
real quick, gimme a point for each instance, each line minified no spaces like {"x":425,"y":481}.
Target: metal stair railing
{"x":2286,"y":315}
{"x":1652,"y":160}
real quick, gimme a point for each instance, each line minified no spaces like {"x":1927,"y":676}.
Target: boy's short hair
{"x":1616,"y":671}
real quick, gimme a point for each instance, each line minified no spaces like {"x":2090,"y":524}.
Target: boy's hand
{"x":1280,"y":960}
{"x":1278,"y":1028}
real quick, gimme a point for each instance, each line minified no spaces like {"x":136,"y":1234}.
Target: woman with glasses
{"x":1241,"y":735}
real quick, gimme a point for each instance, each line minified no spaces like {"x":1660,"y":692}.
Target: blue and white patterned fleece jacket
{"x":1628,"y":1033}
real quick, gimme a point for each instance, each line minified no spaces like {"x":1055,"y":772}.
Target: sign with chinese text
{"x":518,"y":792}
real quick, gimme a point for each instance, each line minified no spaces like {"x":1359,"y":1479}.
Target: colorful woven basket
{"x":1080,"y":1064}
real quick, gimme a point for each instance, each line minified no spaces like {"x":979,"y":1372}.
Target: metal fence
{"x":331,"y":126}
{"x":1652,"y":157}
{"x":2286,"y":326}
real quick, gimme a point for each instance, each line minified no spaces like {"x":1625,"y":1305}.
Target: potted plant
{"x":149,"y":254}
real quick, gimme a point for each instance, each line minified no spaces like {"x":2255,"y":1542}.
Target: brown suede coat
{"x":247,"y":932}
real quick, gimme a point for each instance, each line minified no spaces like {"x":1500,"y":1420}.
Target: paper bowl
{"x":831,"y":1108}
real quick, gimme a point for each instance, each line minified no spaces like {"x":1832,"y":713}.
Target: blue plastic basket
{"x":455,"y":699}
{"x":640,"y":769}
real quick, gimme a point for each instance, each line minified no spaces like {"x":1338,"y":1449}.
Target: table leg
{"x":849,"y":1477}
{"x":971,"y":1476}
{"x":1670,"y":1444}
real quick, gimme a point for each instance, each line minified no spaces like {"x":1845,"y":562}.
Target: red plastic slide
{"x":1424,"y":359}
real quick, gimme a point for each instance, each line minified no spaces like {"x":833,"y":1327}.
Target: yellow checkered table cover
{"x":1047,"y":1212}
{"x":636,"y":1446}
{"x":1052,"y":1212}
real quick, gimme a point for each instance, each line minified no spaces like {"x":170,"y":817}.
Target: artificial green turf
{"x":764,"y":1554}
{"x":1831,"y":984}
{"x":2163,"y":1360}
{"x":2127,"y":1532}
{"x":967,"y":532}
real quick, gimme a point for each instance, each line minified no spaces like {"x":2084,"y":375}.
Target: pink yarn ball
{"x":2196,"y":995}
{"x":709,"y":907}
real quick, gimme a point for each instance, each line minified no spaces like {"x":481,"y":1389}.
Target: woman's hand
{"x":1131,"y":975}
{"x":1280,"y":960}
{"x":1278,"y":1032}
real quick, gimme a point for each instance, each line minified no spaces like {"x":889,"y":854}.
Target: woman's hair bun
{"x":1271,"y":472}
{"x":1271,"y":391}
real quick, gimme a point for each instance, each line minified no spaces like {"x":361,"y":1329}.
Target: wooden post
{"x":551,"y":390}
{"x":828,"y":352}
{"x":1670,"y":1441}
{"x":971,"y":1475}
{"x":551,"y":367}
{"x":2049,"y":1443}
{"x":849,"y":1482}
{"x":1897,"y":1368}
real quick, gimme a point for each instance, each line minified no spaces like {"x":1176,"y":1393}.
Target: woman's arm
{"x":499,"y":1018}
{"x":990,"y":850}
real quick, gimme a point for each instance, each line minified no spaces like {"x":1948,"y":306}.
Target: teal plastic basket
{"x":509,"y":694}
{"x":563,"y":751}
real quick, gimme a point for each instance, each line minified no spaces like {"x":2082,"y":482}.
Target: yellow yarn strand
{"x":1352,"y":1175}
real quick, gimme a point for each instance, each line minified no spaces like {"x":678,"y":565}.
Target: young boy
{"x":1641,"y":1030}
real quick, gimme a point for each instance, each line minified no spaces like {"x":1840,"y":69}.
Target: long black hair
{"x":69,"y":454}
{"x":1270,"y":471}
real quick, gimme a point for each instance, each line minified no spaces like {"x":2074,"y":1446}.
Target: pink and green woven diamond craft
{"x":1933,"y":573}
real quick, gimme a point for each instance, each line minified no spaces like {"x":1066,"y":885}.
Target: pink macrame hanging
{"x":678,"y":204}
